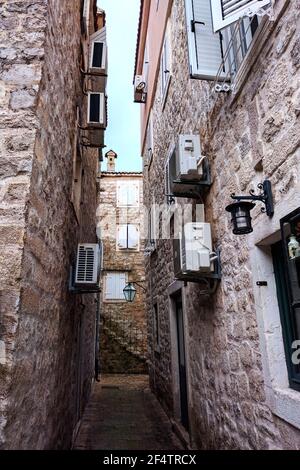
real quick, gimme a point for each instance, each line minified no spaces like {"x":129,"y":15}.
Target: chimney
{"x":111,"y":161}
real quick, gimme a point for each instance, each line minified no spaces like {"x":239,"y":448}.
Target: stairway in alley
{"x":123,"y":414}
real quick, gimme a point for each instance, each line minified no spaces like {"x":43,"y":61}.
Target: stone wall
{"x":47,"y":334}
{"x":122,"y":323}
{"x":228,"y":407}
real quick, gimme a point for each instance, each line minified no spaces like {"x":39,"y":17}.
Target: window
{"x":156,"y":328}
{"x":205,"y":47}
{"x":149,"y":141}
{"x":226,"y":12}
{"x":237,"y":41}
{"x":114,"y":283}
{"x":286,"y":260}
{"x":165,"y":65}
{"x":128,"y":237}
{"x":96,"y":106}
{"x":128,"y":194}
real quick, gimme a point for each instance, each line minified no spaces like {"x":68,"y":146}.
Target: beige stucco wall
{"x":230,"y":405}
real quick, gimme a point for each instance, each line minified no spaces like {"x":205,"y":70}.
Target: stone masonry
{"x":123,"y":333}
{"x":247,"y":137}
{"x":46,"y":333}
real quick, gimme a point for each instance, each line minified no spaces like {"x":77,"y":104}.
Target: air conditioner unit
{"x":96,"y":115}
{"x":88,"y":265}
{"x":193,"y":254}
{"x":186,"y":165}
{"x":139,"y":89}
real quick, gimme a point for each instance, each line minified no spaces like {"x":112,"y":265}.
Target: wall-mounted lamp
{"x":130,"y":291}
{"x":240,"y":210}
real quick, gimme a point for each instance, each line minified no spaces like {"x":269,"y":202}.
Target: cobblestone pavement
{"x":124,"y":414}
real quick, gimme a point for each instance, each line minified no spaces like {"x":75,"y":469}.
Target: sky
{"x":123,"y":131}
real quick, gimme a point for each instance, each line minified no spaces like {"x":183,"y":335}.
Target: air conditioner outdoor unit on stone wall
{"x":139,"y":89}
{"x":193,"y":254}
{"x":88,"y":265}
{"x":186,"y":165}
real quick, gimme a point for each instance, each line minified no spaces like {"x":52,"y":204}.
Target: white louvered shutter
{"x":133,"y":237}
{"x":165,"y":63}
{"x":109,"y":286}
{"x":226,"y":12}
{"x":205,"y":49}
{"x":120,"y":284}
{"x":114,"y":285}
{"x":122,"y":237}
{"x":133,"y":194}
{"x":121,"y":194}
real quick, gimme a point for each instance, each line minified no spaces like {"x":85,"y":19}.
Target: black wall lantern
{"x":130,"y":291}
{"x":240,"y":210}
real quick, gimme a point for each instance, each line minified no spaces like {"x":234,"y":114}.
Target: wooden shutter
{"x":133,"y":194}
{"x":205,"y":49}
{"x":122,"y":194}
{"x":109,"y":286}
{"x":120,"y":284}
{"x":133,"y":237}
{"x":122,"y":242}
{"x":226,"y":12}
{"x":114,"y":285}
{"x":165,"y":63}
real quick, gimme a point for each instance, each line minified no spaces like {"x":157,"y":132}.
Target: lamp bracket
{"x":265,"y":196}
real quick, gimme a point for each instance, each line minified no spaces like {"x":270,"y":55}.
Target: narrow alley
{"x":123,"y":414}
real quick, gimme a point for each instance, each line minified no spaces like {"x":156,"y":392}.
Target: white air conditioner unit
{"x":139,"y":89}
{"x":193,"y":254}
{"x":186,"y":165}
{"x":96,"y":113}
{"x":88,"y":264}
